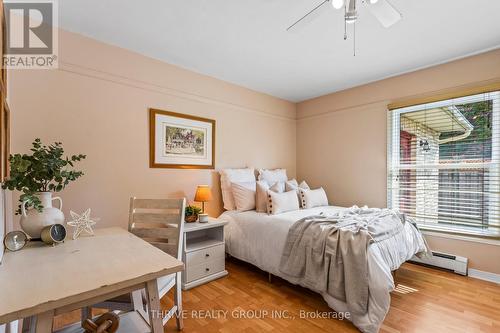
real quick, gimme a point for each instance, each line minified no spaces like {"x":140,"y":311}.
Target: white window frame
{"x":393,"y":158}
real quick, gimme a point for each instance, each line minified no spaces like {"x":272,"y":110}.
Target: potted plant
{"x":37,"y":176}
{"x":192,"y":213}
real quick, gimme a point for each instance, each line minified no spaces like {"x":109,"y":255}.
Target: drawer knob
{"x":207,"y":269}
{"x":207,"y":255}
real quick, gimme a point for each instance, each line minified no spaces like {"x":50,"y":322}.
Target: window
{"x":443,"y":164}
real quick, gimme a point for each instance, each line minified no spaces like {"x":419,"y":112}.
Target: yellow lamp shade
{"x":203,"y":193}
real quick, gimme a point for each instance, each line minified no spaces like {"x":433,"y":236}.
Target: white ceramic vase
{"x":33,"y":221}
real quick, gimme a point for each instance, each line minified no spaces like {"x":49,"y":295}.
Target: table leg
{"x":155,"y":317}
{"x":44,"y":322}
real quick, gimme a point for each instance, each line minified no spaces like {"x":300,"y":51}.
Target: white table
{"x":203,"y":252}
{"x":43,"y":281}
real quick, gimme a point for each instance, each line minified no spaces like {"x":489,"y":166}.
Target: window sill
{"x":463,"y":236}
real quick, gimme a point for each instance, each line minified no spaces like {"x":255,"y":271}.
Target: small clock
{"x":15,"y":240}
{"x":53,"y":234}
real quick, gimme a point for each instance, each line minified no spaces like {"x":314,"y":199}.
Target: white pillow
{"x":313,"y":198}
{"x":278,"y":187}
{"x":244,"y":195}
{"x":282,"y":202}
{"x":273,"y":176}
{"x":261,"y":194}
{"x":228,"y":176}
{"x":291,"y":182}
{"x":292,"y":185}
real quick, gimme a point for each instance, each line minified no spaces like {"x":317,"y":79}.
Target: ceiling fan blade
{"x":385,"y":12}
{"x":309,"y":17}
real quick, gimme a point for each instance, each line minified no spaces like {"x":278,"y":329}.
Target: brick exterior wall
{"x":427,"y":186}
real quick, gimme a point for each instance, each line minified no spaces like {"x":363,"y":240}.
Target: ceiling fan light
{"x":351,"y":17}
{"x":337,"y":4}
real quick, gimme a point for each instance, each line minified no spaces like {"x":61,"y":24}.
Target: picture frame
{"x":181,"y":141}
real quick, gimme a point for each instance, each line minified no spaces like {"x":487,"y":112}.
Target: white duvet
{"x":258,"y":239}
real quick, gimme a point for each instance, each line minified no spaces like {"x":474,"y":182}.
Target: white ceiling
{"x":245,"y":42}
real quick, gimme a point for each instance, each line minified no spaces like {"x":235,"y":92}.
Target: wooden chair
{"x":159,"y":222}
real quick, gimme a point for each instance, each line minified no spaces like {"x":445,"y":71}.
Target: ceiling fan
{"x":383,"y":11}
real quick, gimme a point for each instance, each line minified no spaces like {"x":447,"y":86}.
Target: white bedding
{"x":258,"y":238}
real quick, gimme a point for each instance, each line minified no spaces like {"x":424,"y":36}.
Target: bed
{"x":259,"y":239}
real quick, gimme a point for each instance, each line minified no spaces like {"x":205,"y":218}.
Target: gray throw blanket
{"x":329,"y":253}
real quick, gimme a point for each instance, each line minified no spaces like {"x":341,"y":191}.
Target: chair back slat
{"x":155,"y":217}
{"x":158,"y":232}
{"x":159,"y":222}
{"x":157,"y":203}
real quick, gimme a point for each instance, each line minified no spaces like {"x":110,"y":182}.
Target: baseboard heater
{"x":444,"y":260}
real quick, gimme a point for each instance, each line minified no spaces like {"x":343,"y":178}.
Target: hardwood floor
{"x":426,"y":300}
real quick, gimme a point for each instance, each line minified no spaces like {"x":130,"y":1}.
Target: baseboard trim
{"x":486,"y":276}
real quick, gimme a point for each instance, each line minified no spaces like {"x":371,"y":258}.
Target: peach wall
{"x":97,"y":104}
{"x":342,"y":137}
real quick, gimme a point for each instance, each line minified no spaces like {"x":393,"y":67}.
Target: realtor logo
{"x":31,"y":30}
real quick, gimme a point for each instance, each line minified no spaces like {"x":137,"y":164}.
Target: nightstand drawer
{"x":199,"y":271}
{"x":205,"y":255}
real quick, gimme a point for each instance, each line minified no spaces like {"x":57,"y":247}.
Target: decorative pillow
{"x":278,"y":187}
{"x":261,"y":194}
{"x":244,"y":195}
{"x":292,"y":185}
{"x":273,"y":176}
{"x":313,"y":198}
{"x":281,"y":202}
{"x":228,"y":176}
{"x":304,"y":185}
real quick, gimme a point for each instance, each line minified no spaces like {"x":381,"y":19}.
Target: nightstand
{"x":203,"y":252}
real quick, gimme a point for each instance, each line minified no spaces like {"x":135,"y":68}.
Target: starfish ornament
{"x":82,"y":223}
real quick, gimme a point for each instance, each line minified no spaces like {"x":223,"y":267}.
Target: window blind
{"x":443,"y":163}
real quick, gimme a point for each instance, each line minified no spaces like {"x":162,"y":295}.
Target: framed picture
{"x":181,"y":141}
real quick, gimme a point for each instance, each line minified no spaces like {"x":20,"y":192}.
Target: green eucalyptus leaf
{"x":45,"y":169}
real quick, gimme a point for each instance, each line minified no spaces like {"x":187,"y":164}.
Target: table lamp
{"x":203,"y":194}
